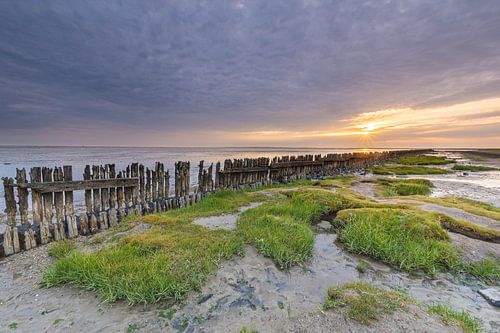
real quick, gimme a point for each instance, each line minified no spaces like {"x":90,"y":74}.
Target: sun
{"x":368,"y":128}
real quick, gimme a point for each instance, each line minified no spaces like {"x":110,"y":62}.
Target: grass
{"x":473,"y":168}
{"x":363,"y":302}
{"x":487,"y":270}
{"x":468,"y":205}
{"x":422,"y":160}
{"x":223,"y":202}
{"x":412,"y":240}
{"x":62,"y":248}
{"x":395,"y":187}
{"x":279,"y":229}
{"x":463,"y":319}
{"x":163,"y":263}
{"x":344,"y":181}
{"x":409,"y":239}
{"x":166,"y":262}
{"x":470,"y":229}
{"x":362,"y":266}
{"x":406,"y":170}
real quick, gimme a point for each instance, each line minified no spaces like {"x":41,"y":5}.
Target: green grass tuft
{"x":422,"y":160}
{"x":62,"y":248}
{"x":280,"y":230}
{"x":394,"y":187}
{"x":463,"y":319}
{"x":164,"y":263}
{"x":409,"y":239}
{"x":470,"y":229}
{"x":406,"y":170}
{"x":473,"y":168}
{"x":471,"y":206}
{"x":487,"y":270}
{"x":364,"y":302}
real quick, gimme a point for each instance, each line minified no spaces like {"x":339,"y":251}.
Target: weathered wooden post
{"x":96,"y":192}
{"x":167,"y":184}
{"x":36,"y":197}
{"x":88,"y":224}
{"x":68,"y":204}
{"x":120,"y":199}
{"x":22,"y":194}
{"x":200,"y":176}
{"x":134,"y":172}
{"x":59,"y":232}
{"x":217,"y":176}
{"x":210,"y":177}
{"x":11,"y":237}
{"x":113,"y":219}
{"x":28,"y":234}
{"x":47,"y":208}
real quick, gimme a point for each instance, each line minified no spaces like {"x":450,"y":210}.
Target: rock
{"x":492,"y":296}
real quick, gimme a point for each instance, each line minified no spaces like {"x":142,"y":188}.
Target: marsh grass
{"x":408,"y":239}
{"x":62,"y":248}
{"x":473,"y":168}
{"x":470,"y":229}
{"x":363,"y":302}
{"x":343,"y":181}
{"x":463,"y":319}
{"x":406,"y":170}
{"x":279,"y":229}
{"x":422,"y":160}
{"x":394,"y":187}
{"x":222,"y":202}
{"x":468,"y":205}
{"x":487,"y":270}
{"x":165,"y":262}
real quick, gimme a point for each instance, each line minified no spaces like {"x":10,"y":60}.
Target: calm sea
{"x":27,"y":157}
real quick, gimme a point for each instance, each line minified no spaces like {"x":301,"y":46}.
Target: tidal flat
{"x":267,"y":260}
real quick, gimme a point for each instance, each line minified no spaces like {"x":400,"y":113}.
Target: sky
{"x":301,"y":73}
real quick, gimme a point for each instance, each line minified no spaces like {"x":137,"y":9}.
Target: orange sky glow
{"x":454,"y":125}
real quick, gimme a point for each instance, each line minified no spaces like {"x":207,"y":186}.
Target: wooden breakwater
{"x":44,"y":210}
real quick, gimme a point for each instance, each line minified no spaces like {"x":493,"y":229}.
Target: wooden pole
{"x":120,"y":199}
{"x":36,"y":198}
{"x":10,"y":200}
{"x":47,"y":208}
{"x":68,"y":204}
{"x":88,"y":193}
{"x":113,"y":218}
{"x":59,"y":206}
{"x":96,"y":192}
{"x":22,"y":194}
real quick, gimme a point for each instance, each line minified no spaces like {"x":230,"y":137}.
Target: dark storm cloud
{"x":245,"y":65}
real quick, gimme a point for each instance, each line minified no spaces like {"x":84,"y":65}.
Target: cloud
{"x":235,"y":66}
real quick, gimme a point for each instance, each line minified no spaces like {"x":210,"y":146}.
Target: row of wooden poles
{"x":112,"y":195}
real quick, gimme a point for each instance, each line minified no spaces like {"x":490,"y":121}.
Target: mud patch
{"x":226,"y":221}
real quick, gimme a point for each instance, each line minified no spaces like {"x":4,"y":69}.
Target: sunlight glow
{"x":400,"y":125}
